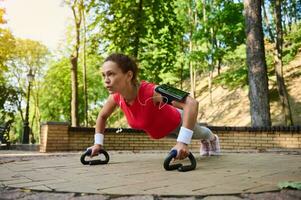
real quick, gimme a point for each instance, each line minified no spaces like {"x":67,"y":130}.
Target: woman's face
{"x":114,"y":79}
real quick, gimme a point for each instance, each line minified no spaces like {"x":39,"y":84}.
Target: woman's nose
{"x":105,"y":79}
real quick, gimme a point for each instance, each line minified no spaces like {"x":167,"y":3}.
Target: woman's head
{"x":125,"y":63}
{"x":119,"y":71}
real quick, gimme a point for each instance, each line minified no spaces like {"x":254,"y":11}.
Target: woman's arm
{"x":103,"y":115}
{"x":190,"y":112}
{"x":189,"y":106}
{"x":190,"y":109}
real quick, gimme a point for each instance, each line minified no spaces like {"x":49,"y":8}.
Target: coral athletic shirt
{"x":144,"y":115}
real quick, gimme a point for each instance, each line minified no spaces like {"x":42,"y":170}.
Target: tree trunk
{"x":85,"y":68}
{"x":219,"y":65}
{"x":138,"y":29}
{"x":286,"y":110}
{"x":267,"y":22}
{"x":211,"y":62}
{"x":210,"y":78}
{"x":191,"y":66}
{"x":258,"y":80}
{"x":294,"y":11}
{"x":76,"y":9}
{"x":74,"y":88}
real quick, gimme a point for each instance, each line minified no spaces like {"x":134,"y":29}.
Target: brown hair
{"x":125,"y":63}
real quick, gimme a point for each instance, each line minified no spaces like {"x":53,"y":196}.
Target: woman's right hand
{"x":95,"y":149}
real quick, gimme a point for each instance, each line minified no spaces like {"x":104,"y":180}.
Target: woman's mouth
{"x":109,"y":88}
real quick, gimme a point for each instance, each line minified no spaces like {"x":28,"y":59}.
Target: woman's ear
{"x":130,"y":75}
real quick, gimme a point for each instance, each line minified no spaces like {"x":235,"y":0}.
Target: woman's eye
{"x":109,"y":74}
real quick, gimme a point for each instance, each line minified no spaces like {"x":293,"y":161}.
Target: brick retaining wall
{"x":58,"y":136}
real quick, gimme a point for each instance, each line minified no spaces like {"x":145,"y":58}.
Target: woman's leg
{"x":209,"y":141}
{"x":202,"y":132}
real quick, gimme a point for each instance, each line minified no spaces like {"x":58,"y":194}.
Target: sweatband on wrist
{"x":98,"y":138}
{"x":185,"y":135}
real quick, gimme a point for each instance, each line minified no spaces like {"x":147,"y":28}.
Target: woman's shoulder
{"x":146,"y":84}
{"x":115,"y":97}
{"x":147,"y":88}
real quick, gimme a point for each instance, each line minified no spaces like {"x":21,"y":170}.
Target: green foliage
{"x":56,"y":91}
{"x":7,"y":46}
{"x":233,"y":78}
{"x":18,"y":58}
{"x":9,"y":94}
{"x":147,"y":30}
{"x":8,"y":100}
{"x":31,"y":53}
{"x":2,"y":12}
{"x":95,"y":88}
{"x":237,"y":74}
{"x":292,"y":43}
{"x":226,"y":18}
{"x":224,"y":28}
{"x":160,"y":44}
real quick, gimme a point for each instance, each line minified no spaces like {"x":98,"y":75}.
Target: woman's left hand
{"x":182,"y":149}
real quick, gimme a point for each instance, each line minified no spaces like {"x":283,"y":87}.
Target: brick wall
{"x":56,"y":136}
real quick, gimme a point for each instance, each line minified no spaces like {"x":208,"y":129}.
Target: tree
{"x":7,"y":46}
{"x":56,"y":91}
{"x":224,"y":31}
{"x":85,"y":66}
{"x":28,"y":56}
{"x":267,"y":21}
{"x":8,"y":100}
{"x":7,"y":43}
{"x":258,"y":80}
{"x":2,"y":12}
{"x":147,"y":30}
{"x":77,"y":10}
{"x":283,"y":94}
{"x":9,"y":95}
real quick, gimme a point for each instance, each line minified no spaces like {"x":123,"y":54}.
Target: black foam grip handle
{"x":172,"y":154}
{"x":97,"y":161}
{"x":168,"y":159}
{"x":190,"y":167}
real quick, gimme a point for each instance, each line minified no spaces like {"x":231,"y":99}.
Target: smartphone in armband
{"x":170,"y":93}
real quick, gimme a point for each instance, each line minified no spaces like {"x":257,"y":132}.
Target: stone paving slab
{"x":143,"y":174}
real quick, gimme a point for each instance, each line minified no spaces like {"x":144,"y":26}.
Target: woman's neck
{"x":130,"y":93}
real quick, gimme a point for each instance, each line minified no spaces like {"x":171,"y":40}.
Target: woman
{"x":145,"y":109}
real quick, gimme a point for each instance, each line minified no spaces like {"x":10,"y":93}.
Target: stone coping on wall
{"x":256,"y":129}
{"x":284,"y":129}
{"x":296,"y":128}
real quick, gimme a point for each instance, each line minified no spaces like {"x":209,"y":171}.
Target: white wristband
{"x":98,"y":138}
{"x":185,"y":135}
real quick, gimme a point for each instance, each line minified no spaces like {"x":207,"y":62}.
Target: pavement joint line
{"x":250,"y":188}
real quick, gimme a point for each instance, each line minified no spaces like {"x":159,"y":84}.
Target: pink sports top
{"x":156,"y":120}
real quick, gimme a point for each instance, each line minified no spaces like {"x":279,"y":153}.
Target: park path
{"x":143,"y":174}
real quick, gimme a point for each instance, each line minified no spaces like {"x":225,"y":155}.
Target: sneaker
{"x":215,"y":147}
{"x":205,"y":148}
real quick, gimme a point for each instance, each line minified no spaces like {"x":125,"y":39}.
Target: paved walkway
{"x":143,"y":174}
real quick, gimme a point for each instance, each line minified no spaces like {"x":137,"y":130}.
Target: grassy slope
{"x":231,"y":108}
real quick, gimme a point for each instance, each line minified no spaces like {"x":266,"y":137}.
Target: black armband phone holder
{"x":170,"y":93}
